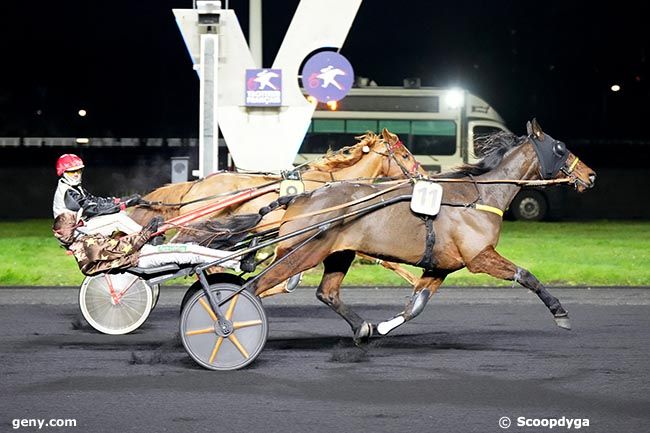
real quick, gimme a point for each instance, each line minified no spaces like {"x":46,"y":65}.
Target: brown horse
{"x":466,"y":230}
{"x":371,"y":157}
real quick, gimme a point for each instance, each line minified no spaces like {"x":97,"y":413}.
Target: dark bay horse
{"x":373,"y":156}
{"x":466,"y":230}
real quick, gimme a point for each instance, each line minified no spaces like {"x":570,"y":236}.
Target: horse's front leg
{"x":424,"y":288}
{"x":492,"y":263}
{"x":336,"y":266}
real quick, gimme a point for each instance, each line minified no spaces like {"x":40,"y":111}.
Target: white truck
{"x":438,"y":125}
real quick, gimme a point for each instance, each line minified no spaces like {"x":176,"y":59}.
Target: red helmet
{"x":67,"y":162}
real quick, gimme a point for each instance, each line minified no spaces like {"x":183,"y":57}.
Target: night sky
{"x":126,"y":64}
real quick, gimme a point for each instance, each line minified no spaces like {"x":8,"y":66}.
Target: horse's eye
{"x":559,"y":149}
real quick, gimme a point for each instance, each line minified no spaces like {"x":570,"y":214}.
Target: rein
{"x":337,"y":207}
{"x":505,"y":181}
{"x":198,"y":200}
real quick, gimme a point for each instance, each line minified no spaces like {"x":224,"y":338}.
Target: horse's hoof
{"x":563,"y":322}
{"x":363,"y":333}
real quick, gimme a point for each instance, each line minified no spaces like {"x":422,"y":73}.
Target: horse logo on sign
{"x":327,"y":76}
{"x":263,"y":87}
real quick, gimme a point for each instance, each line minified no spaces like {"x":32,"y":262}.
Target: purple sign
{"x":263,"y":87}
{"x":327,"y":76}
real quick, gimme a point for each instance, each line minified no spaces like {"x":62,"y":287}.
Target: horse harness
{"x":427,"y":261}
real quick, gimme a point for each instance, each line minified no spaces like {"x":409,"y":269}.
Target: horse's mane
{"x":346,"y":156}
{"x":491,"y":148}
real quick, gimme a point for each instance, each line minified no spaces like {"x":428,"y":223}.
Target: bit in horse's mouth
{"x":580,"y":185}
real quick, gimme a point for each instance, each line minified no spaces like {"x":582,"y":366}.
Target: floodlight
{"x":455,"y":98}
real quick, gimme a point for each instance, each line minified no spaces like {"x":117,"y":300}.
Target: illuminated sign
{"x":263,"y":87}
{"x":327,"y":76}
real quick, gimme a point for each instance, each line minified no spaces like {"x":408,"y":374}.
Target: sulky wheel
{"x":219,"y":277}
{"x":212,"y":348}
{"x":115,"y":303}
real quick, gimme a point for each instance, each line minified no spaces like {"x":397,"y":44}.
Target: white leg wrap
{"x":385,"y":327}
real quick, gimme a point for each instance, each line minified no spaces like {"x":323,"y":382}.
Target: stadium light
{"x":615,"y":88}
{"x":82,"y":113}
{"x":454,"y":98}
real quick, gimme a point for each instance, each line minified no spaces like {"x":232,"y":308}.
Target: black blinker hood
{"x":552,"y":155}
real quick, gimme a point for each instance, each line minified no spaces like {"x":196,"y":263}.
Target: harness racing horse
{"x":370,"y":158}
{"x":466,"y":230}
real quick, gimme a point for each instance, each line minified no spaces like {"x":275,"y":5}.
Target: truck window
{"x":483,"y":130}
{"x":422,"y":137}
{"x":399,"y":127}
{"x":480,"y":131}
{"x":433,"y":137}
{"x":324,"y":135}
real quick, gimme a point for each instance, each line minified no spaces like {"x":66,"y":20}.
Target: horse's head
{"x":398,"y":161}
{"x":556,"y":161}
{"x":373,"y":156}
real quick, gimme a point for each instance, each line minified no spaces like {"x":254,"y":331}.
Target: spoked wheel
{"x":115,"y":303}
{"x":219,"y":277}
{"x":214,"y":349}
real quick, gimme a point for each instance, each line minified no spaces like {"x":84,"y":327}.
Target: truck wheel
{"x":529,"y":205}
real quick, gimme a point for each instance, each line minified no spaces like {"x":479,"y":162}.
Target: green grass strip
{"x":602,"y":253}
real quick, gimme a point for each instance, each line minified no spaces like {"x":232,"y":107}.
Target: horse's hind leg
{"x":492,"y":263}
{"x":424,"y":288}
{"x":336,"y":266}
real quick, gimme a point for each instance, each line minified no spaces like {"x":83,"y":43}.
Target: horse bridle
{"x":390,"y":149}
{"x":553,"y":157}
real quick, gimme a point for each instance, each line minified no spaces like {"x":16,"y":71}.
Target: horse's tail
{"x":226,"y":233}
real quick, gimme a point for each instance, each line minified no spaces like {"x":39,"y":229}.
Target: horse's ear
{"x":529,"y":128}
{"x":389,"y":136}
{"x":537,"y":130}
